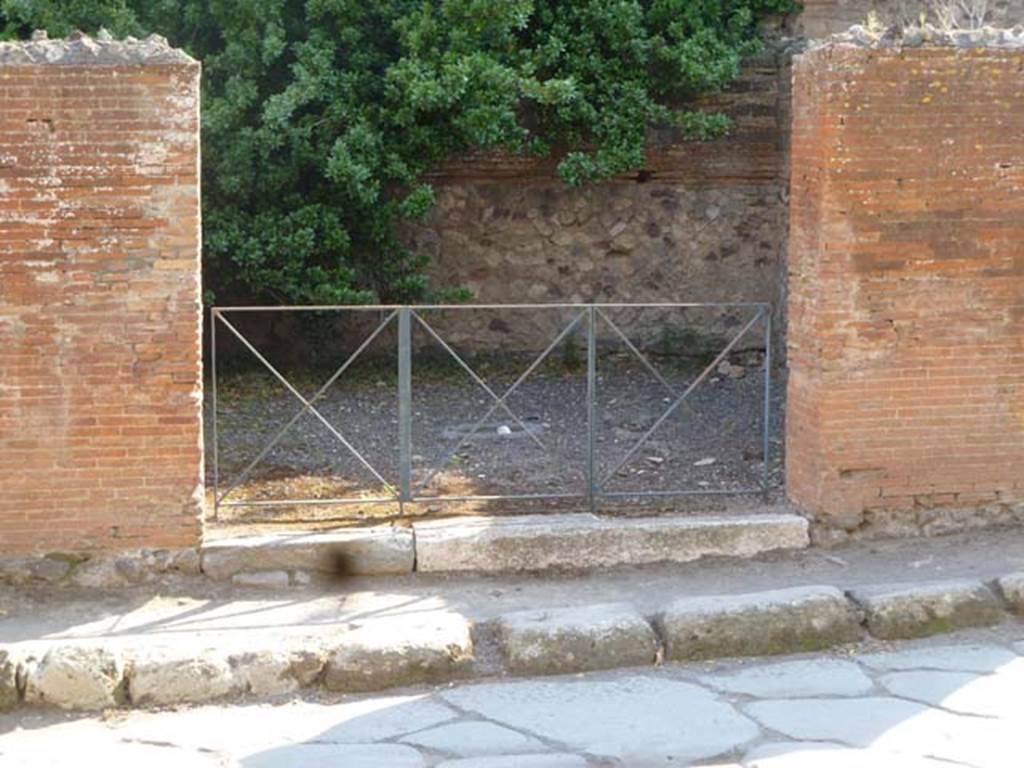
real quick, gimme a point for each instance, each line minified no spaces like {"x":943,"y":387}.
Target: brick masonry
{"x":906,"y":284}
{"x":100,"y":313}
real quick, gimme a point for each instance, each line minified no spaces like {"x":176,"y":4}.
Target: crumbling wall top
{"x":921,"y":36}
{"x":79,"y":49}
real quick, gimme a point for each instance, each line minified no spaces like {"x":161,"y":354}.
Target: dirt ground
{"x":711,"y":446}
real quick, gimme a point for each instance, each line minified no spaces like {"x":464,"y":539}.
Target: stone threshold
{"x":441,"y":646}
{"x":501,"y":545}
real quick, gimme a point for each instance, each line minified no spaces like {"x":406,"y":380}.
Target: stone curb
{"x":444,"y":646}
{"x":920,"y":610}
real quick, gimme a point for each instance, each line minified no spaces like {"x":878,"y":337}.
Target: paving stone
{"x":393,"y":652}
{"x":60,"y":752}
{"x":364,"y":551}
{"x":579,"y":639}
{"x":470,"y":739}
{"x":795,"y":755}
{"x":1000,"y":695}
{"x":253,"y":728}
{"x":579,"y":541}
{"x":634,"y":719}
{"x":922,"y":610}
{"x":268,"y":579}
{"x":951,"y":658}
{"x":76,"y":677}
{"x":761,"y":623}
{"x":180,"y":675}
{"x":519,"y":761}
{"x":794,"y":679}
{"x":856,"y":722}
{"x":337,"y":756}
{"x":1011,"y":587}
{"x":893,"y":725}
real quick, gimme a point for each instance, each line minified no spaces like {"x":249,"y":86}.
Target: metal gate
{"x":588,"y":321}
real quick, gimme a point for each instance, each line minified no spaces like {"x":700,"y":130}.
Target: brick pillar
{"x":906,"y":285}
{"x":100,"y":313}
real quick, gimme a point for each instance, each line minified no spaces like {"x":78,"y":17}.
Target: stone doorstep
{"x":503,"y":544}
{"x":443,"y":646}
{"x":355,"y":552}
{"x":582,"y":541}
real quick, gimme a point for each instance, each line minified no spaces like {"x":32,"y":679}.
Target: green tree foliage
{"x":320,"y":117}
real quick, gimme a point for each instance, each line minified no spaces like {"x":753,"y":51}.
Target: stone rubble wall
{"x":100,"y":314}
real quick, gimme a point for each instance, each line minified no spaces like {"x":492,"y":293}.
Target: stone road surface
{"x":957,"y":700}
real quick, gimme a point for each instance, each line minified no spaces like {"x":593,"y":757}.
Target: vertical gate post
{"x":766,"y":447}
{"x":404,"y":406}
{"x":592,"y":489}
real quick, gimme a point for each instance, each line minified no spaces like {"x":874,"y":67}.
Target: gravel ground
{"x":712,"y":444}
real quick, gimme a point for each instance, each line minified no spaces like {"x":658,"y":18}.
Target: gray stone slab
{"x":579,"y":639}
{"x":998,"y":695}
{"x":252,"y":728}
{"x":639,"y":720}
{"x":951,"y":658}
{"x":474,"y":738}
{"x":760,"y":623}
{"x":336,"y":756}
{"x":893,"y":725}
{"x":920,"y":610}
{"x":559,"y":760}
{"x":363,"y":551}
{"x":797,"y":755}
{"x":580,"y":541}
{"x":857,"y":722}
{"x":1011,"y":588}
{"x":794,"y":679}
{"x":386,"y":653}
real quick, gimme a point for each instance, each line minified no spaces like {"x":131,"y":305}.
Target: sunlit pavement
{"x":957,"y":700}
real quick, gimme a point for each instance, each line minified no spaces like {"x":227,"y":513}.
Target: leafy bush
{"x":320,"y":117}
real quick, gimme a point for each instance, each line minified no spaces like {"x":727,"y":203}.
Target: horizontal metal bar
{"x":492,"y":497}
{"x":641,"y":494}
{"x":468,"y":307}
{"x":310,"y":502}
{"x":502,"y":497}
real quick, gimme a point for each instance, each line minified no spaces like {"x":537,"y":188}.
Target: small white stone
{"x":705,"y":462}
{"x":504,"y":429}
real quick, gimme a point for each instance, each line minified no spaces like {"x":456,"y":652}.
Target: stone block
{"x":364,"y":551}
{"x":581,"y":541}
{"x":564,"y":640}
{"x":780,"y":621}
{"x":894,"y":613}
{"x":167,"y":676}
{"x":393,"y":652}
{"x":1011,"y":588}
{"x":76,"y":677}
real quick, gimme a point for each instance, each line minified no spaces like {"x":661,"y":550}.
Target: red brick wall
{"x":906,"y":288}
{"x":99,"y":302}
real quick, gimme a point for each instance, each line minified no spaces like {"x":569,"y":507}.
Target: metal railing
{"x":402,"y":489}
